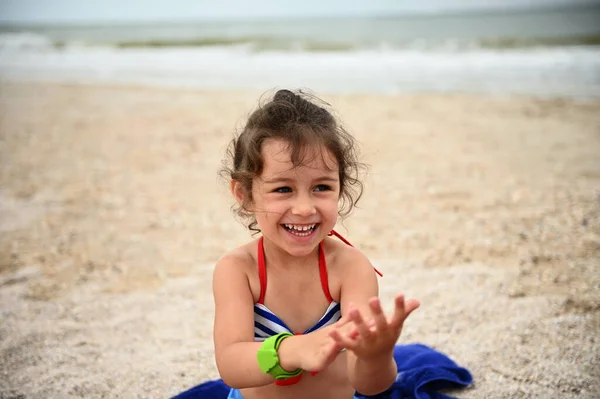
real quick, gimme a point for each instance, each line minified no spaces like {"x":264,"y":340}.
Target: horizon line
{"x":494,"y":10}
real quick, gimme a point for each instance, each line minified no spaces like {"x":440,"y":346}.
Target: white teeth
{"x":300,"y":230}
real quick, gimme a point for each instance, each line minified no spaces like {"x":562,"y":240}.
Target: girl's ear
{"x":238,"y":192}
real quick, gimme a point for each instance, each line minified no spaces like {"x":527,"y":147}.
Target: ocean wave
{"x":275,"y":43}
{"x":563,"y":71}
{"x":25,"y":41}
{"x":37,"y":41}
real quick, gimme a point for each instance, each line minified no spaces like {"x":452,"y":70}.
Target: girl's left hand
{"x":379,"y":336}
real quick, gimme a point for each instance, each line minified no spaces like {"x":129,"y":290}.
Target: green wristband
{"x":268,"y":358}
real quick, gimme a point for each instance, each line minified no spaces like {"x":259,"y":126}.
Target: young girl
{"x":296,"y":311}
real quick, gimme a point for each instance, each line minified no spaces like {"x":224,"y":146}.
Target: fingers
{"x":346,"y":326}
{"x":399,"y":313}
{"x":362,"y":327}
{"x":402,"y":310}
{"x":343,"y":341}
{"x":326,"y":354}
{"x":411,"y":305}
{"x":372,"y":325}
{"x":342,"y":322}
{"x":353,"y":325}
{"x":334,"y":348}
{"x":379,"y":319}
{"x":378,"y":333}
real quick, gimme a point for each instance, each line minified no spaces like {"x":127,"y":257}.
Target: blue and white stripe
{"x":267,"y":324}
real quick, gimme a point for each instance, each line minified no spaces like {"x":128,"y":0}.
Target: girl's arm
{"x":373,"y":370}
{"x":235,"y":349}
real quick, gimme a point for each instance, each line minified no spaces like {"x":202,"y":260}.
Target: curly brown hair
{"x":298,"y":120}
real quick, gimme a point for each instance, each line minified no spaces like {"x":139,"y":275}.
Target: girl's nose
{"x":303,"y":206}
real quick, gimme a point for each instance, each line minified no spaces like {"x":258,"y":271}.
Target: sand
{"x":487,"y":209}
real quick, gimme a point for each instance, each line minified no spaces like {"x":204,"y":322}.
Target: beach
{"x":112,"y":215}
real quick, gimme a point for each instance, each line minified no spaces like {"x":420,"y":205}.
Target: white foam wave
{"x":571,"y":71}
{"x":24,"y":41}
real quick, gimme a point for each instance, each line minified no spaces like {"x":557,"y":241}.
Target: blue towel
{"x":422,"y":372}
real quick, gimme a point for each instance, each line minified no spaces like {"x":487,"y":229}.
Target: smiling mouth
{"x":300,"y":230}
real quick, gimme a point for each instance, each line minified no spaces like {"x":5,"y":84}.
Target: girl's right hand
{"x":378,"y":336}
{"x":314,"y":351}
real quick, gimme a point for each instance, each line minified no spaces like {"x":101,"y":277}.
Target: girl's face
{"x":296,"y":207}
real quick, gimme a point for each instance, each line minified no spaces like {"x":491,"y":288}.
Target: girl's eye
{"x":323,"y":187}
{"x":283,"y":190}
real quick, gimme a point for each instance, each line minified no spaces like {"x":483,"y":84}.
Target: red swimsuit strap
{"x":262,"y":271}
{"x":338,"y":235}
{"x":262,"y":268}
{"x":335,"y":233}
{"x":323,"y":273}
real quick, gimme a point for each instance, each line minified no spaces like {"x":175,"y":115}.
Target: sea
{"x":546,"y":52}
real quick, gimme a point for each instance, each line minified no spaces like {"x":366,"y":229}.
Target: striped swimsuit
{"x":267,"y":324}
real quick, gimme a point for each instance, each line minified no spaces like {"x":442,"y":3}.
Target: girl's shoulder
{"x":337,"y":250}
{"x":241,"y":259}
{"x":236,"y":275}
{"x":346,"y":265}
{"x":340,"y":254}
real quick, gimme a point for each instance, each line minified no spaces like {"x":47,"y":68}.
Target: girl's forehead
{"x":277,"y":158}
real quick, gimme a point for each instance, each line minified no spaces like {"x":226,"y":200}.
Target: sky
{"x":73,"y":11}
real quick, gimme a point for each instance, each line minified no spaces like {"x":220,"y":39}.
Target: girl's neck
{"x":280,"y":259}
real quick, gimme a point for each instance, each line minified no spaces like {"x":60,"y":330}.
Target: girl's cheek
{"x":331,"y":205}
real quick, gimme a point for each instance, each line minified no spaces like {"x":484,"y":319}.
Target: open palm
{"x":377,"y":336}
